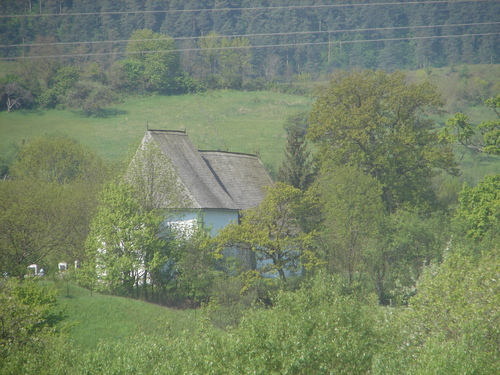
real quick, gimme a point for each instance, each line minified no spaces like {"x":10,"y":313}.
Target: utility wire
{"x":242,"y":9}
{"x":252,"y":47}
{"x":251,"y":35}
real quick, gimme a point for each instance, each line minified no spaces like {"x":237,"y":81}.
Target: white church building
{"x":217,"y":185}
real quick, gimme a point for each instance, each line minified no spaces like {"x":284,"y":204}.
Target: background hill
{"x":301,"y":36}
{"x":249,"y":122}
{"x":238,"y":121}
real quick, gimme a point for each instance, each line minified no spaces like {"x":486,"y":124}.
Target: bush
{"x":27,"y":322}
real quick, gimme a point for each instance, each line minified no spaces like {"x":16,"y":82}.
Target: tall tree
{"x":30,"y":224}
{"x":58,"y":159}
{"x":353,"y":214}
{"x":479,"y":210}
{"x":452,"y":324}
{"x":152,"y":64}
{"x":234,"y":61}
{"x":227,"y":59}
{"x":28,"y":317}
{"x":296,"y":169}
{"x":124,"y":246}
{"x":378,"y":122}
{"x":91,"y":97}
{"x":59,"y":178}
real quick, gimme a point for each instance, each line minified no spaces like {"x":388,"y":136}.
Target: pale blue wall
{"x":218,"y":219}
{"x":214,"y":219}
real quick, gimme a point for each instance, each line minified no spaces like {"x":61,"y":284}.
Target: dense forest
{"x":84,"y":53}
{"x":287,"y":37}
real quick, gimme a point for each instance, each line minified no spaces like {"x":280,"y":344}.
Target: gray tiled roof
{"x":213,"y":179}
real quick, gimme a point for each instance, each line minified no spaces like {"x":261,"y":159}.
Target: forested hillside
{"x":287,"y":37}
{"x":88,"y":55}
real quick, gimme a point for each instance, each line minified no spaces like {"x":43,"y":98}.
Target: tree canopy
{"x":482,"y":138}
{"x":272,"y":232}
{"x":58,"y":159}
{"x":296,"y":170}
{"x":379,"y":122}
{"x":152,"y":63}
{"x":123,"y":246}
{"x":322,"y":35}
{"x":479,"y":209}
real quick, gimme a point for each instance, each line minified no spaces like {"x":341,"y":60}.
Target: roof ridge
{"x":229,"y":152}
{"x":167,"y":131}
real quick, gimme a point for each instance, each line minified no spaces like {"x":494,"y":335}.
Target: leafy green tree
{"x":48,"y":204}
{"x":478,"y":214}
{"x":408,"y":241}
{"x":44,"y":223}
{"x":124,"y":246}
{"x":209,"y":51}
{"x":30,"y":224}
{"x":451,"y":325}
{"x":59,"y":83}
{"x":46,"y":65}
{"x":232,"y":296}
{"x":27,"y":324}
{"x":91,"y":97}
{"x":58,"y":159}
{"x":195,"y":264}
{"x":152,"y":64}
{"x":315,"y":330}
{"x":379,"y":122}
{"x":227,"y":60}
{"x":296,"y":169}
{"x":353,"y":214}
{"x":272,"y":232}
{"x":482,"y":138}
{"x":68,"y":175}
{"x":234,"y":61}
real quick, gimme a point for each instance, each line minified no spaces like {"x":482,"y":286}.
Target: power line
{"x":252,"y":47}
{"x":241,"y":9}
{"x":252,"y":35}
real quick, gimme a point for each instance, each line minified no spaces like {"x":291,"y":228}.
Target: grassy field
{"x":249,"y":122}
{"x":100,"y":317}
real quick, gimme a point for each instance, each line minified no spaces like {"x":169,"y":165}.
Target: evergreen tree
{"x":296,"y":169}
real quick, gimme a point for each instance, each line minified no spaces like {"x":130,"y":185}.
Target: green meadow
{"x":92,"y":317}
{"x":238,"y":121}
{"x":248,"y":122}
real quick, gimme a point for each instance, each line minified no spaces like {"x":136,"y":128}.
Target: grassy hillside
{"x":250,"y":122}
{"x":100,"y":317}
{"x":464,"y":88}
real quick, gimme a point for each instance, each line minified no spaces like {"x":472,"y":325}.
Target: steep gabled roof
{"x":213,"y":179}
{"x":241,"y":175}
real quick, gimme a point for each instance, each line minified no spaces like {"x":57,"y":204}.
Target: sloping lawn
{"x":94,"y":317}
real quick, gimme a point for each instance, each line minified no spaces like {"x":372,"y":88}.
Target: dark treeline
{"x":317,"y":38}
